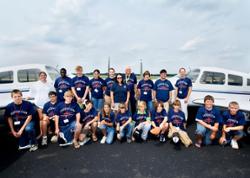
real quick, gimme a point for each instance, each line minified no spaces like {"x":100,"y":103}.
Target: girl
{"x":177,"y":124}
{"x":123,"y":123}
{"x":159,"y":120}
{"x":142,"y":121}
{"x":106,"y":124}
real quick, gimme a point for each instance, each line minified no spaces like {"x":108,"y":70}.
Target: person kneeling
{"x":124,"y":127}
{"x":177,"y":125}
{"x":233,"y":125}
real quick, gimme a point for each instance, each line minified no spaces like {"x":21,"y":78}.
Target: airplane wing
{"x":222,"y":102}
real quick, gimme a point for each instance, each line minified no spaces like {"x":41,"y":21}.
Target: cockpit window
{"x":193,"y":74}
{"x":53,"y":73}
{"x":215,"y":78}
{"x":235,"y":80}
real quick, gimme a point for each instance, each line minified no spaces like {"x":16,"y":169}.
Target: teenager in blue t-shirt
{"x":80,"y":85}
{"x":159,"y":120}
{"x":119,"y":93}
{"x":62,"y":84}
{"x":177,"y":124}
{"x":208,"y":119}
{"x":142,"y":121}
{"x":88,"y":121}
{"x":124,"y":126}
{"x":19,"y":116}
{"x":145,"y":89}
{"x":97,"y":87}
{"x":106,"y":124}
{"x":233,"y":125}
{"x":183,"y":90}
{"x":163,"y":89}
{"x":67,"y":120}
{"x":110,"y":80}
{"x":49,"y":118}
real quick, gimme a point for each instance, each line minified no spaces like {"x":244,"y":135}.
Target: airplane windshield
{"x":53,"y":73}
{"x":193,"y":74}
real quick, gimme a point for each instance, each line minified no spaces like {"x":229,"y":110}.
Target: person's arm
{"x":93,"y":120}
{"x":109,"y":124}
{"x":85,"y":93}
{"x":29,"y":118}
{"x":127,"y":100}
{"x":10,"y":122}
{"x":176,"y":93}
{"x":78,"y":117}
{"x":75,"y":94}
{"x":204,"y":124}
{"x":153,"y":124}
{"x":56,"y":124}
{"x":188,"y":95}
{"x":126,"y":123}
{"x":236,"y":128}
{"x":117,"y":126}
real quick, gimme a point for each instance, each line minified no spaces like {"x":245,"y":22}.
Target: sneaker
{"x":54,"y":139}
{"x":129,"y":140}
{"x":86,"y":140}
{"x":198,"y":145}
{"x":234,"y":144}
{"x":162,"y":138}
{"x":65,"y":144}
{"x":103,"y":140}
{"x":33,"y":148}
{"x":118,"y":136}
{"x":24,"y":147}
{"x":44,"y":141}
{"x":176,"y":138}
{"x":62,"y":139}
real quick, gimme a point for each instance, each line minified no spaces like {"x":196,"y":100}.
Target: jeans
{"x":68,"y":131}
{"x":29,"y":135}
{"x":127,"y":131}
{"x":231,"y":134}
{"x":145,"y":127}
{"x":98,"y":103}
{"x":110,"y":133}
{"x":201,"y":130}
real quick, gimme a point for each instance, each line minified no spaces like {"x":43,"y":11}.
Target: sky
{"x":162,"y":33}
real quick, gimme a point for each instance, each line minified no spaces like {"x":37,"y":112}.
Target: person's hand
{"x":186,"y":100}
{"x":112,"y":105}
{"x":103,"y":122}
{"x":79,"y":100}
{"x":57,"y":132}
{"x":19,"y":133}
{"x":213,"y":128}
{"x":227,"y":129}
{"x":126,"y":104}
{"x":14,"y":133}
{"x":121,"y":128}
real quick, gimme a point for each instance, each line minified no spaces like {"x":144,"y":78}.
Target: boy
{"x":19,"y":115}
{"x":49,"y":117}
{"x":67,"y":117}
{"x":208,"y":119}
{"x":233,"y":125}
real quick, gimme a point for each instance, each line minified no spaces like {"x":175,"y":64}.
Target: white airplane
{"x":22,"y":77}
{"x":223,"y":84}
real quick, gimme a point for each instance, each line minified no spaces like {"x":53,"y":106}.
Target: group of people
{"x":76,"y":108}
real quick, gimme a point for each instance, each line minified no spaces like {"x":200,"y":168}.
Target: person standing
{"x":131,"y":81}
{"x":183,"y":90}
{"x":80,"y":85}
{"x":62,"y":84}
{"x":97,"y":87}
{"x":163,"y":90}
{"x":109,"y":81}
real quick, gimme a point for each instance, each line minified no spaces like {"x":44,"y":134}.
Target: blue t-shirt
{"x":162,"y":89}
{"x":233,"y":120}
{"x":158,"y":117}
{"x":96,"y":86}
{"x":183,"y":85}
{"x":62,"y":85}
{"x":80,"y":84}
{"x":109,"y":119}
{"x":120,"y":92}
{"x":49,"y":109}
{"x":209,"y":116}
{"x":177,"y":118}
{"x":109,"y":82}
{"x":131,"y":81}
{"x":140,"y":117}
{"x":146,"y":87}
{"x":19,"y":113}
{"x":122,"y":118}
{"x":67,"y":112}
{"x":88,"y":116}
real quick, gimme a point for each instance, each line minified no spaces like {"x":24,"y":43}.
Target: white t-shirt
{"x":39,"y":91}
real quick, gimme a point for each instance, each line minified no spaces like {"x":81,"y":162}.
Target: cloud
{"x":192,"y":44}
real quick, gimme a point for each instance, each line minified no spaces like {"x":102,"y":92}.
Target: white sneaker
{"x":103,"y":140}
{"x":118,"y":136}
{"x":86,"y":140}
{"x":54,"y":139}
{"x":176,"y":139}
{"x":33,"y":148}
{"x":61,"y":135}
{"x":44,"y":141}
{"x":65,"y":144}
{"x":234,"y":144}
{"x":24,"y":147}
